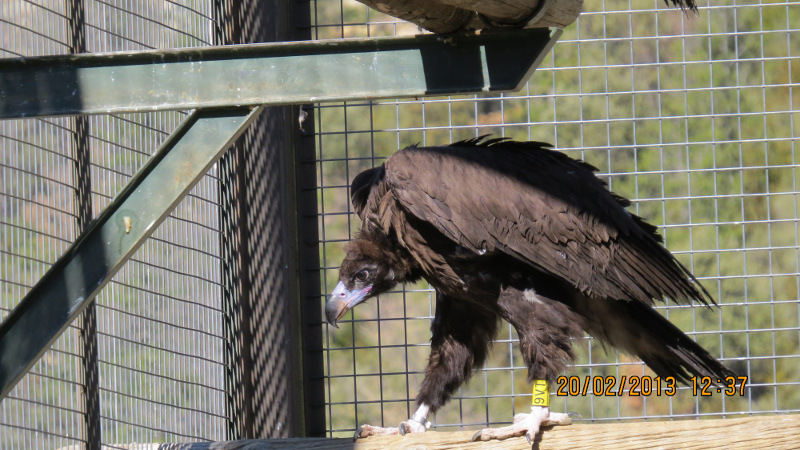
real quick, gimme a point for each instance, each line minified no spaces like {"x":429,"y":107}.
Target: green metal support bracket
{"x":282,"y":73}
{"x":227,"y":86}
{"x":88,"y":265}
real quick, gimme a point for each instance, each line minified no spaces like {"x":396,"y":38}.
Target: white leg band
{"x":421,"y":415}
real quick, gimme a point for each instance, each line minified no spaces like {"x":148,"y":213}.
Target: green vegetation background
{"x":693,"y":118}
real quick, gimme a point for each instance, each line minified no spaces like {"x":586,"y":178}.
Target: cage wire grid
{"x":159,"y":333}
{"x":694,"y":118}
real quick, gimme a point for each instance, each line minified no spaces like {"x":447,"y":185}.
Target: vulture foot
{"x":372,"y":430}
{"x":418,"y":423}
{"x":409,"y":426}
{"x":524,"y":424}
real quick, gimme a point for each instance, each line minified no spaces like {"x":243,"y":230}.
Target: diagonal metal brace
{"x":277,"y":73}
{"x":88,"y":265}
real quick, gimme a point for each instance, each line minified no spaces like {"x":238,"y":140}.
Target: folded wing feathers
{"x":501,"y":195}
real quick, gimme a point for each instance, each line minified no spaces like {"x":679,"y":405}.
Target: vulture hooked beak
{"x":342,"y":300}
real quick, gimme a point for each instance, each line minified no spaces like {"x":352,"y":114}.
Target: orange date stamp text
{"x":635,"y":386}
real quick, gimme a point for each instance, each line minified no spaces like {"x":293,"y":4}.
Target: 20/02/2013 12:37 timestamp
{"x":634,"y":386}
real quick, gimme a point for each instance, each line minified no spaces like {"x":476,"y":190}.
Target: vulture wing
{"x":539,"y":206}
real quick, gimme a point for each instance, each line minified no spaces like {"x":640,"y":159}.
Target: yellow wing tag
{"x":541,"y":394}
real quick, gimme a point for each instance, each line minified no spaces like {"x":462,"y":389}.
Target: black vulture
{"x":518,"y":231}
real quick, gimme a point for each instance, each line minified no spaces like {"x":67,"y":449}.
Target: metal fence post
{"x":260,"y":263}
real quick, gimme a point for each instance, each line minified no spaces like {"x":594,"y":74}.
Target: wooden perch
{"x":453,"y":16}
{"x":740,"y":433}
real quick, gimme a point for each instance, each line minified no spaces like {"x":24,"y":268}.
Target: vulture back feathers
{"x":533,"y":204}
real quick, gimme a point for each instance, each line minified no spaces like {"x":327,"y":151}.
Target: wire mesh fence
{"x":158,"y":337}
{"x":695,"y":118}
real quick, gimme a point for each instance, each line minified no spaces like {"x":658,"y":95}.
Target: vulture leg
{"x":545,"y":328}
{"x":461,"y":334}
{"x":459,"y":344}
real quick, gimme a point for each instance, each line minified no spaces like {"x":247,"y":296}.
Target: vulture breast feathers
{"x":523,"y":199}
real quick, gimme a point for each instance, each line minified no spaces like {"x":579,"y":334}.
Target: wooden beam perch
{"x":739,"y":433}
{"x":454,"y":16}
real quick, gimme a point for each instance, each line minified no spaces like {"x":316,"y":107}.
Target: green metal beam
{"x":100,"y":251}
{"x":211,"y":79}
{"x":282,"y":73}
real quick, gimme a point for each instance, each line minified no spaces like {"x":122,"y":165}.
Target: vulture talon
{"x":527,"y":425}
{"x":412,"y":426}
{"x":357,"y":434}
{"x":477,"y":436}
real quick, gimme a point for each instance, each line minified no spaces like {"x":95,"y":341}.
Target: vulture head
{"x":367,"y":271}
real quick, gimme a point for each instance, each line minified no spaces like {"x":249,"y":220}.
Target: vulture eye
{"x":362,"y":275}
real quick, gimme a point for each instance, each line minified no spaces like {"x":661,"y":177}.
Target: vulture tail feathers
{"x":685,"y":5}
{"x":681,"y":357}
{"x":643,"y":332}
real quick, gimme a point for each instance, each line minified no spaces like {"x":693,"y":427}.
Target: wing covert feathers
{"x":530,"y":202}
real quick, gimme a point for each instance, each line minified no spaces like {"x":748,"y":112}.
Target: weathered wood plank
{"x":559,"y":14}
{"x":431,"y":15}
{"x":509,"y":10}
{"x":522,"y":13}
{"x":452,"y":16}
{"x":739,"y":433}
